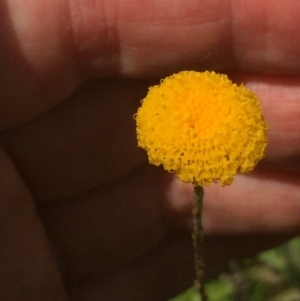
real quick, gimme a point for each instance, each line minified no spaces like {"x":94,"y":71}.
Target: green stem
{"x":198,"y":234}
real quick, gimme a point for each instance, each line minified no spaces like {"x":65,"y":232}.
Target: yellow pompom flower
{"x":202,"y":127}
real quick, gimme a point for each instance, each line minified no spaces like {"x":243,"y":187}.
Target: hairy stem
{"x":198,"y":234}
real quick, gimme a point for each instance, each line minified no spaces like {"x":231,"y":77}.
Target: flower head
{"x":202,"y":127}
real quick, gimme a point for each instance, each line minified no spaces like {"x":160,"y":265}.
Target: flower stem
{"x":198,"y":234}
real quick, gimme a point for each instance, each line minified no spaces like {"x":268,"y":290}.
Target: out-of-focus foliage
{"x":273,"y":275}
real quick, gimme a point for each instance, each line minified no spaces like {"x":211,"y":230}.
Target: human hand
{"x":83,"y":215}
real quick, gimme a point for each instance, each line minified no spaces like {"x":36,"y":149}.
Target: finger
{"x":280,"y":102}
{"x":159,"y":274}
{"x":28,"y":269}
{"x":87,"y":141}
{"x":146,"y":206}
{"x":245,"y":35}
{"x":104,"y":229}
{"x":265,"y":201}
{"x":91,"y":138}
{"x":168,"y":269}
{"x":45,"y":57}
{"x":112,"y":38}
{"x":37,"y":67}
{"x":261,"y":202}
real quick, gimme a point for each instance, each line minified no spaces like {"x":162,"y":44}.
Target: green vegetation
{"x":273,"y":275}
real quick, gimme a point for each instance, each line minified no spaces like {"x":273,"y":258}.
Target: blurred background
{"x":273,"y":275}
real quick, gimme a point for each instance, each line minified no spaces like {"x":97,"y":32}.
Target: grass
{"x":273,"y":275}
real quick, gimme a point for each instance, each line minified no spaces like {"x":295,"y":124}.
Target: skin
{"x":83,"y":216}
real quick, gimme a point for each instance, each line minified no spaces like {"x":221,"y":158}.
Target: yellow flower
{"x":202,"y":127}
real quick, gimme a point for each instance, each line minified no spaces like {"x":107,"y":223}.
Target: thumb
{"x":28,"y":269}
